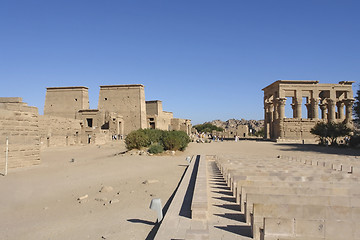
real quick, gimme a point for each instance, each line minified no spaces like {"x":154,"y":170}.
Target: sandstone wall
{"x":241,"y":131}
{"x":157,"y":116}
{"x":164,"y":120}
{"x":294,"y":129}
{"x":58,"y":131}
{"x":153,"y":107}
{"x":127,"y":101}
{"x":95,"y":136}
{"x":21,"y":127}
{"x":66,"y":101}
{"x":179,"y":124}
{"x":101,"y":136}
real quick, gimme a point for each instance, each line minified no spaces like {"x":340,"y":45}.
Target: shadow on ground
{"x":233,"y":216}
{"x":320,"y":149}
{"x":135,"y":220}
{"x":239,"y":230}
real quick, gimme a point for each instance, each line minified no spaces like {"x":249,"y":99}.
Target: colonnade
{"x":330,"y":109}
{"x":327,"y":102}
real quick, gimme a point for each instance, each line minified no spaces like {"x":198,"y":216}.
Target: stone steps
{"x":295,"y":198}
{"x":291,"y":228}
{"x":314,"y":212}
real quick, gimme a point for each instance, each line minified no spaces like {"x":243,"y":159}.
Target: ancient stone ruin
{"x":323,"y":102}
{"x":68,"y":120}
{"x":20,"y":124}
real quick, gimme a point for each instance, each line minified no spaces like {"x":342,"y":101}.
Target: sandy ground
{"x":41,"y":202}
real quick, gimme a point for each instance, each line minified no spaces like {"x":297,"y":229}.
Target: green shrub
{"x":330,"y":131}
{"x":355,"y":141}
{"x":156,"y":148}
{"x":356,"y":109}
{"x":208,"y":128}
{"x":137,"y":140}
{"x":175,"y":140}
{"x":154,"y":135}
{"x":260,"y":133}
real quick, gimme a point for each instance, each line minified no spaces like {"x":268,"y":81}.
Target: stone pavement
{"x":225,"y":219}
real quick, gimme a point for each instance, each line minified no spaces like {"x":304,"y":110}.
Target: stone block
{"x":310,"y":228}
{"x":337,"y":229}
{"x":278,"y":227}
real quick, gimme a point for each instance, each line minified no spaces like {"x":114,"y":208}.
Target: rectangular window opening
{"x":89,"y":122}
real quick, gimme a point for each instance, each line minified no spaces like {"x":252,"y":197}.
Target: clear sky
{"x":204,"y":59}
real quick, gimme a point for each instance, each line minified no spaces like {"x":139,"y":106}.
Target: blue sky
{"x":204,"y":59}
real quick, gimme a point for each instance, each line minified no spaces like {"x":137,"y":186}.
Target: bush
{"x":357,"y":107}
{"x":355,"y":141}
{"x":137,"y":140}
{"x":260,"y":133}
{"x":154,"y":135}
{"x":207,"y":128}
{"x":175,"y":140}
{"x":156,"y":148}
{"x":329,"y":132}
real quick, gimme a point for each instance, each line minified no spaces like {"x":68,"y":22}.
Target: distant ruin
{"x":323,"y":102}
{"x":240,"y":128}
{"x":68,"y":120}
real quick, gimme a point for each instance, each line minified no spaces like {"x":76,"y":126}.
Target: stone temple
{"x":68,"y":120}
{"x":320,"y":102}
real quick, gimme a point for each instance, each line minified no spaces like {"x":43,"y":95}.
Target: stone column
{"x":323,"y":108}
{"x":268,"y":119}
{"x":281,"y":103}
{"x":340,"y":107}
{"x":271,"y":120}
{"x":275,"y":112}
{"x":293,"y":106}
{"x":281,"y":129}
{"x":315,"y":108}
{"x":348,"y":104}
{"x":331,"y":107}
{"x":309,"y":110}
{"x":298,"y":103}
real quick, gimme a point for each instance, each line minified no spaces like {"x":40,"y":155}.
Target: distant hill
{"x":233,"y":123}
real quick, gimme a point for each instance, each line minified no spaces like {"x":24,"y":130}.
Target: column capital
{"x":281,"y":101}
{"x":316,"y":100}
{"x":340,"y":103}
{"x":349,"y":101}
{"x":323,"y":106}
{"x":268,"y":105}
{"x":331,"y":101}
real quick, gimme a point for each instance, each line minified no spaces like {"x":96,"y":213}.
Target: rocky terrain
{"x":233,"y":123}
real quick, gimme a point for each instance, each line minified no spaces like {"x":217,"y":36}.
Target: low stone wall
{"x":21,"y":128}
{"x":95,"y":136}
{"x":58,"y":131}
{"x":294,"y":130}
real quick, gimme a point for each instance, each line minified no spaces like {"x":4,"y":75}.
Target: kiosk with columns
{"x":322,"y":102}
